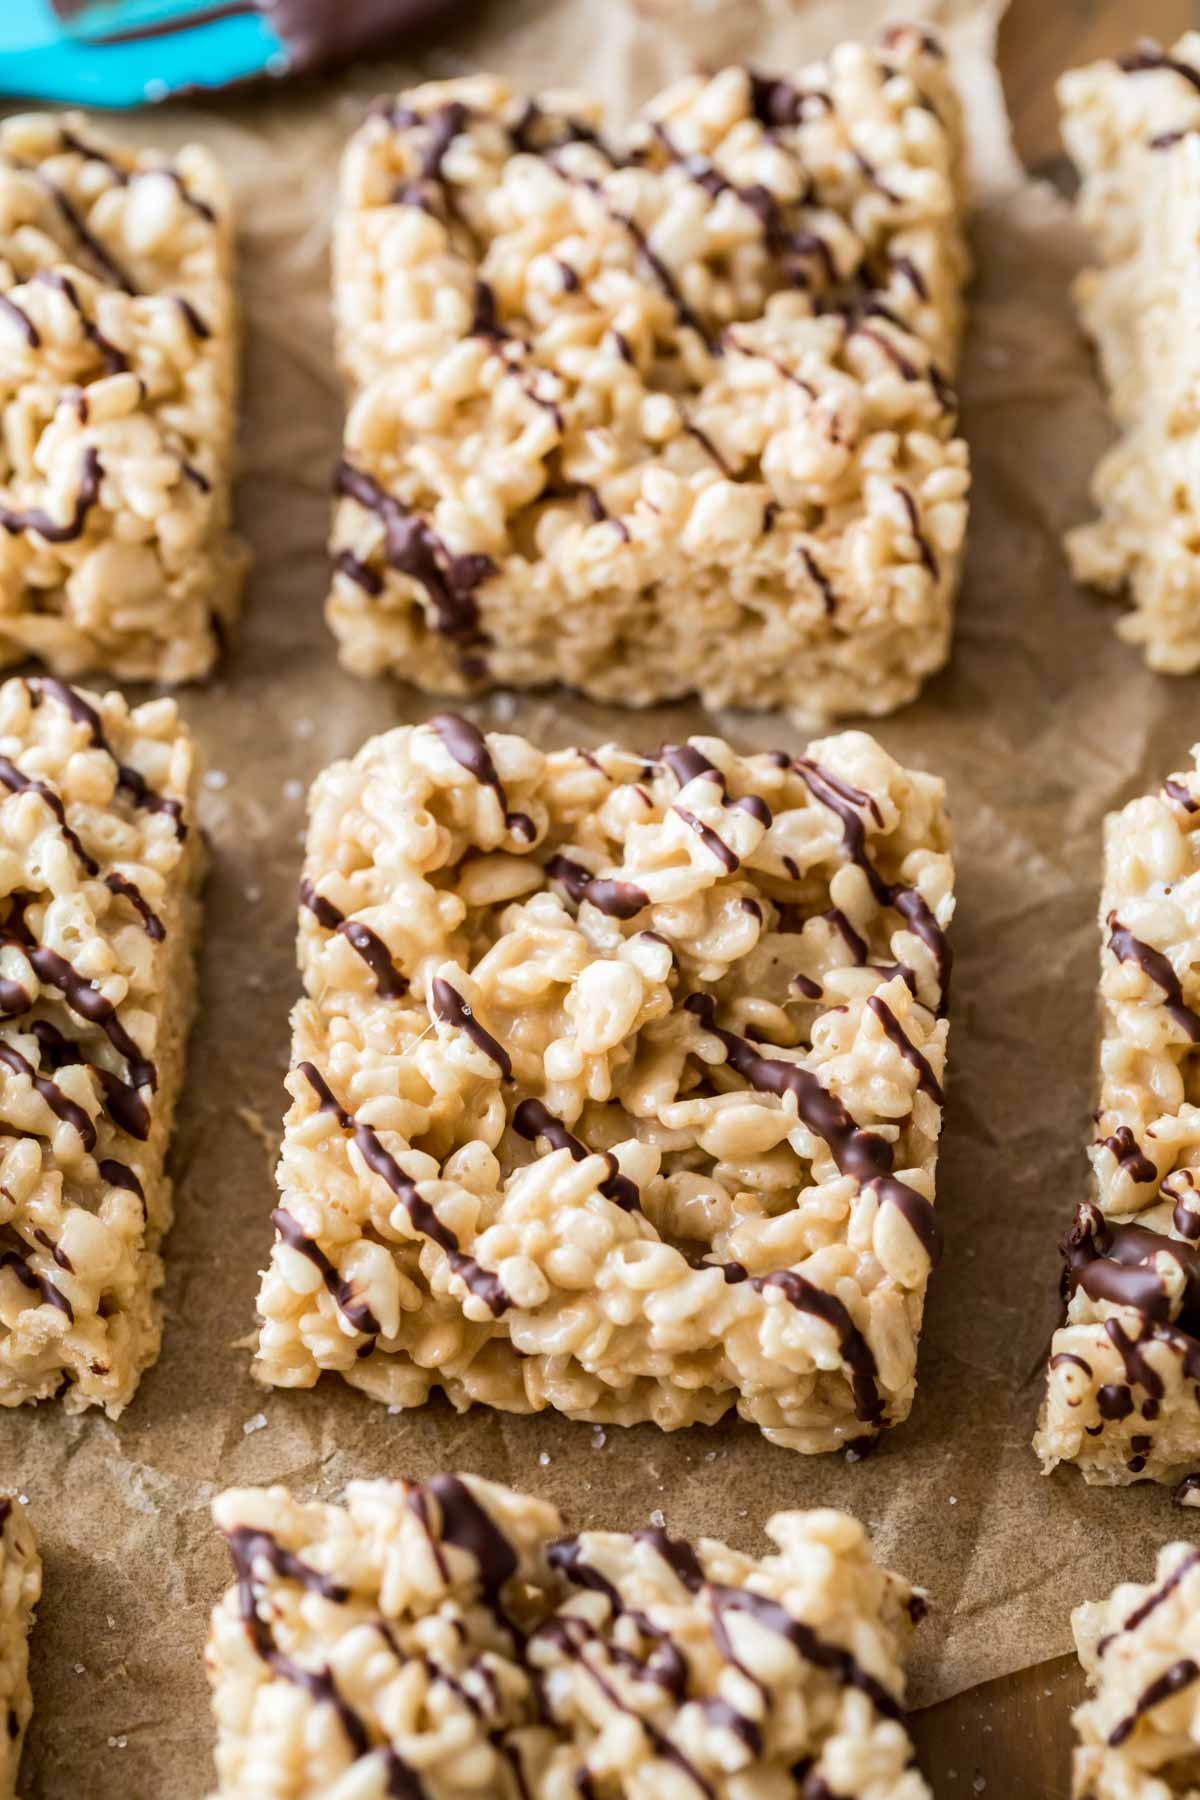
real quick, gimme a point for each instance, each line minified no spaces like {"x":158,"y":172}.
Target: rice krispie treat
{"x":442,"y":1639}
{"x":20,"y":1591}
{"x":99,"y":869}
{"x":1131,"y":128}
{"x":1139,"y":1734}
{"x":1121,"y":1400}
{"x":118,"y":374}
{"x":661,"y":413}
{"x":618,"y":1083}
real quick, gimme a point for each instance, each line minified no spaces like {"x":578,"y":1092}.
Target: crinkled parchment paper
{"x":1043,"y":722}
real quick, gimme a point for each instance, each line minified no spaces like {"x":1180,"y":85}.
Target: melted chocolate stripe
{"x":1155,"y":966}
{"x":451,"y":1009}
{"x":1148,"y":57}
{"x":617,"y":899}
{"x":855,"y":1351}
{"x":927,"y":1081}
{"x":143,"y":796}
{"x":413,"y":548}
{"x":858,"y":1153}
{"x":22,"y":321}
{"x":17,"y":782}
{"x":682,"y":1560}
{"x":1130,"y":1156}
{"x":1172,"y":1681}
{"x":468,"y":746}
{"x":245,"y":1546}
{"x":845,"y":802}
{"x":52,"y":1094}
{"x":35,"y":519}
{"x":1153,"y":1601}
{"x":29,"y":1278}
{"x":355,"y":1311}
{"x":390,"y":984}
{"x":532,"y":1120}
{"x":114,"y":361}
{"x":715,"y":845}
{"x":481,"y":1282}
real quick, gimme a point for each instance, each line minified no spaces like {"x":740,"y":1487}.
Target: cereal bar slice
{"x":1124,"y":1366}
{"x":1131,"y":127}
{"x":118,"y":375}
{"x":99,"y":872}
{"x":1139,"y":1733}
{"x":443,"y":1639}
{"x":618,"y":1083}
{"x":20,"y":1591}
{"x":662,"y":413}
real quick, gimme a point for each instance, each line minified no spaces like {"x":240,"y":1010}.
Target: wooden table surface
{"x":1011,"y":1739}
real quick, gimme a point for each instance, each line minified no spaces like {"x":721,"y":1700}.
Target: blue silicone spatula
{"x":123,"y":53}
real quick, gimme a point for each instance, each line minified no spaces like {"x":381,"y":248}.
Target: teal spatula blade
{"x":122,"y":53}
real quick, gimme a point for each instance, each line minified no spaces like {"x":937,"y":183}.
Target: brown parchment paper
{"x":1041,"y":724}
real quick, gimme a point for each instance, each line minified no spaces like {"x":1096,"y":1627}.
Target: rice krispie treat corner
{"x":100,"y":864}
{"x":20,"y":1591}
{"x":443,"y":1639}
{"x":658,"y":414}
{"x":1121,"y":1396}
{"x":118,"y":378}
{"x":618,"y":1082}
{"x":1139,"y":1733}
{"x":1132,"y":128}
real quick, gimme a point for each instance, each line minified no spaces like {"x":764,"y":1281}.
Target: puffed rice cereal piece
{"x":20,"y":1591}
{"x":618,"y":1082}
{"x":1132,"y":128}
{"x":442,"y":1639}
{"x":118,"y":378}
{"x":661,"y":414}
{"x":1139,"y":1733}
{"x":1124,"y":1366}
{"x":100,"y":865}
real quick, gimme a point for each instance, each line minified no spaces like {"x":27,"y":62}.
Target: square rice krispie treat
{"x":1139,"y":1734}
{"x":441,"y":1640}
{"x":118,"y":375}
{"x":1121,"y":1400}
{"x":20,"y":1591}
{"x":618,"y":1083}
{"x":1132,"y":127}
{"x":662,"y":412}
{"x":100,"y":862}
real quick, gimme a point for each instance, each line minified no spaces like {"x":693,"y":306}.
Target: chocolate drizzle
{"x":848,"y":803}
{"x":246,"y":1547}
{"x":854,"y":1349}
{"x":617,"y":899}
{"x":390,"y":984}
{"x":468,"y":746}
{"x":42,"y":1285}
{"x":130,"y":780}
{"x":533,"y":1120}
{"x":413,"y":548}
{"x":927,"y":1081}
{"x":1128,"y":1152}
{"x":355,"y":1311}
{"x":114,"y":361}
{"x":1155,"y":966}
{"x":483,"y":1283}
{"x":682,"y":1560}
{"x":1117,"y":1263}
{"x":22,"y":321}
{"x":451,"y":1009}
{"x":52,"y":1094}
{"x":861,"y":1154}
{"x":35,"y":519}
{"x":1148,"y":56}
{"x":1172,"y":1681}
